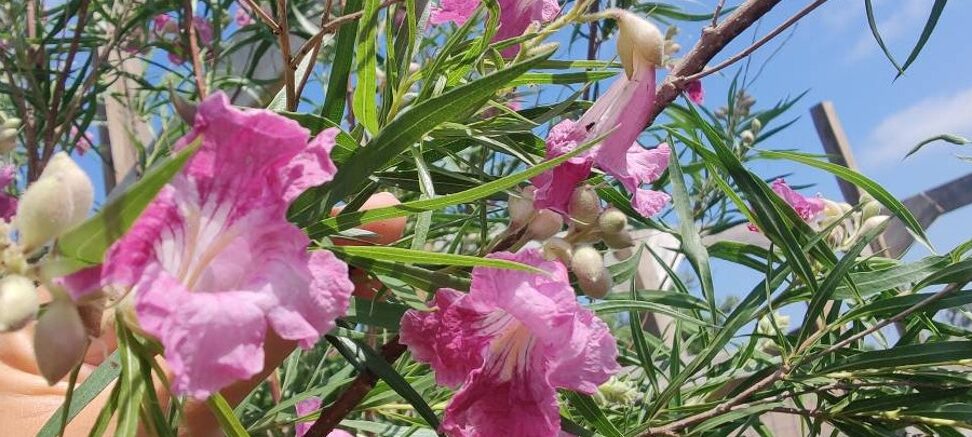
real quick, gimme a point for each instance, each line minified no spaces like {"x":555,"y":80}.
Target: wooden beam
{"x":836,"y":145}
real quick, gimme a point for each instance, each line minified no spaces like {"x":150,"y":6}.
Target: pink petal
{"x":242,"y":17}
{"x":8,"y":203}
{"x":456,"y":11}
{"x":210,"y":339}
{"x":204,"y":30}
{"x":312,"y":166}
{"x":517,"y":15}
{"x":304,"y":408}
{"x":625,"y":117}
{"x":806,"y":207}
{"x":306,"y":313}
{"x":82,"y":283}
{"x":589,"y":358}
{"x":649,"y":202}
{"x":159,"y":22}
{"x":554,"y":187}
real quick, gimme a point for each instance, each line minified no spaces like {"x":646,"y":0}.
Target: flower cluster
{"x":807,"y":208}
{"x":515,"y":16}
{"x":165,"y":28}
{"x":509,"y":344}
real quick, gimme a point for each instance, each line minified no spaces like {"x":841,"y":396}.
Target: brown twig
{"x":356,"y":391}
{"x":194,"y":57}
{"x":717,"y":12}
{"x":55,"y":104}
{"x":288,"y":67}
{"x":713,"y":40}
{"x":262,"y":15}
{"x":762,"y":41}
{"x":331,"y":27}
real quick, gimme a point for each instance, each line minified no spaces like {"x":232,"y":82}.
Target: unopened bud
{"x":612,"y":221}
{"x":832,"y":209}
{"x":43,"y":213}
{"x":588,"y":265}
{"x":836,"y":237}
{"x":8,"y":140}
{"x":639,"y":41}
{"x":617,"y":240}
{"x":77,"y":181}
{"x":747,"y":137}
{"x":521,"y":206}
{"x":557,"y":248}
{"x":755,"y":125}
{"x":872,"y":223}
{"x":870,"y":209}
{"x":11,"y":123}
{"x":60,"y":340}
{"x":18,"y":302}
{"x":672,"y":47}
{"x":584,"y":205}
{"x":545,"y":224}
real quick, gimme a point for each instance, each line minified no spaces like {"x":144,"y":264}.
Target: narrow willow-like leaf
{"x":410,"y":256}
{"x":562,"y":78}
{"x":593,"y":414}
{"x":228,"y":422}
{"x":337,"y":83}
{"x":691,"y":240}
{"x":901,"y":356}
{"x":363,"y":103}
{"x":954,"y":139}
{"x":88,"y":241}
{"x":936,"y":13}
{"x":872,"y":23}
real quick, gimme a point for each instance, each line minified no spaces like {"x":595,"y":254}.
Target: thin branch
{"x":718,"y":11}
{"x":752,"y":48}
{"x":55,"y":103}
{"x":262,"y":15}
{"x":331,"y":27}
{"x":356,"y":391}
{"x":194,"y":56}
{"x":288,"y":67}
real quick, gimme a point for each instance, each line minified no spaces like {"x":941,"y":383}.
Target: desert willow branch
{"x":194,"y":54}
{"x":263,"y":15}
{"x":284,"y":37}
{"x":330,"y":27}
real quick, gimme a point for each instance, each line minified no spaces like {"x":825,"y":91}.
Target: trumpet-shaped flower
{"x":618,"y":117}
{"x":213,"y":262}
{"x":8,"y":203}
{"x":510,"y":344}
{"x":806,"y":207}
{"x":515,"y":16}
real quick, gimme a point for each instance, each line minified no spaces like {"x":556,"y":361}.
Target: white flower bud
{"x":870,"y":209}
{"x":872,"y":223}
{"x":43,"y":213}
{"x":18,"y":302}
{"x":593,"y":278}
{"x":638,"y":38}
{"x":8,"y":140}
{"x":617,"y":240}
{"x":584,"y":205}
{"x":612,"y":221}
{"x":836,"y":237}
{"x":545,"y":224}
{"x":557,"y":248}
{"x":755,"y":125}
{"x":832,"y":209}
{"x":521,"y":206}
{"x":60,"y":340}
{"x":747,"y":137}
{"x":672,"y":47}
{"x":82,"y":191}
{"x":11,"y":123}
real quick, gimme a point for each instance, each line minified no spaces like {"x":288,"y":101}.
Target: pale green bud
{"x":638,"y":41}
{"x":545,"y":224}
{"x":593,"y":278}
{"x":755,"y":125}
{"x":747,"y":137}
{"x":584,"y":205}
{"x":617,"y":240}
{"x":18,"y":302}
{"x":557,"y":248}
{"x":612,"y":220}
{"x":521,"y":206}
{"x":79,"y":184}
{"x":870,"y":209}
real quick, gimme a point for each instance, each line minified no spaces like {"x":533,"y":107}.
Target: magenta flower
{"x":806,"y":207}
{"x":515,"y":16}
{"x":204,"y":30}
{"x":618,"y":116}
{"x":242,"y":16}
{"x":213,"y":261}
{"x":510,"y":344}
{"x":84,"y":141}
{"x":8,"y":203}
{"x":160,"y":21}
{"x":695,"y":92}
{"x":308,"y":406}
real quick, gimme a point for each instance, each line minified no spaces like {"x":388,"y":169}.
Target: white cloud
{"x":898,"y":133}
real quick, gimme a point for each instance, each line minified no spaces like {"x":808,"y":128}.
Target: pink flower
{"x":308,"y":406}
{"x":175,"y":59}
{"x":159,"y":22}
{"x":204,"y":30}
{"x":695,"y":92}
{"x":515,"y":16}
{"x":8,"y":203}
{"x":84,"y":141}
{"x":806,"y":207}
{"x":510,"y":344}
{"x":619,"y":116}
{"x":213,"y":260}
{"x":242,"y":16}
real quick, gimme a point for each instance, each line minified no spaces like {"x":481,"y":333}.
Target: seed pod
{"x":584,"y":205}
{"x":545,"y":224}
{"x":557,"y":248}
{"x":612,"y":221}
{"x":18,"y":302}
{"x":59,"y":340}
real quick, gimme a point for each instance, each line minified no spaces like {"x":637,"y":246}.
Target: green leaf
{"x":344,"y":144}
{"x":84,"y":393}
{"x":692,"y":246}
{"x":337,"y":83}
{"x":562,"y":78}
{"x":873,"y":188}
{"x":868,"y":283}
{"x":376,"y":313}
{"x":88,"y":241}
{"x":909,"y":355}
{"x":409,"y":256}
{"x":410,"y":127}
{"x":869,"y":10}
{"x":954,"y":139}
{"x":354,"y":219}
{"x":415,"y":276}
{"x":229,"y":424}
{"x":936,"y":13}
{"x":364,"y":357}
{"x":619,"y":305}
{"x":593,"y":414}
{"x":363,"y":103}
{"x":897,"y":304}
